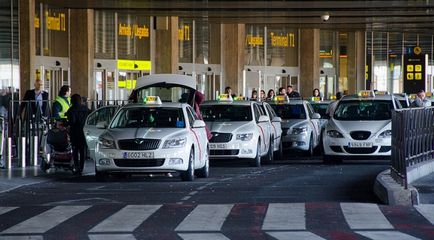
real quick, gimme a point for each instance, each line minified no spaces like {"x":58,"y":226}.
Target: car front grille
{"x":157,"y":162}
{"x":360,"y":135}
{"x":224,"y":152}
{"x":385,"y":148}
{"x":360,"y":150}
{"x":220,"y":137}
{"x":139,"y":144}
{"x":336,"y":149}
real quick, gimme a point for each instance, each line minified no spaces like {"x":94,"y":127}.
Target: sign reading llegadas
{"x":134,"y":30}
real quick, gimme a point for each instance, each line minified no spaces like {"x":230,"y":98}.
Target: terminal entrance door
{"x":327,"y":82}
{"x":127,"y":81}
{"x":209,"y":84}
{"x":104,"y":85}
{"x":54,"y":79}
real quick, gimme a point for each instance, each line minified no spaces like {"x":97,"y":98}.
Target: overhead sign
{"x":254,"y":40}
{"x":134,"y":65}
{"x":184,"y":33}
{"x":282,"y":40}
{"x":414,"y":71}
{"x":134,"y":30}
{"x":56,"y":23}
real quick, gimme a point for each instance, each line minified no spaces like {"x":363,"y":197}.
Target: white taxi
{"x":300,"y":124}
{"x":154,"y":137}
{"x":360,"y":126}
{"x":276,"y":121}
{"x":240,"y":129}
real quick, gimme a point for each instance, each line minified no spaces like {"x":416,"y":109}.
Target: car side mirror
{"x":277,"y":119}
{"x":315,"y":116}
{"x":198,"y":124}
{"x":102,"y":125}
{"x":264,"y":118}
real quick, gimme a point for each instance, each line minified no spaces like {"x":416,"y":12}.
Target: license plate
{"x":138,"y":155}
{"x":360,"y":144}
{"x":218,"y":146}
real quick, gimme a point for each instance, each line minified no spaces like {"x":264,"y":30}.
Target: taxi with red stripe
{"x":154,"y":137}
{"x":240,"y":129}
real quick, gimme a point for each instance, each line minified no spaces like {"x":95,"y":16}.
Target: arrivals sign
{"x":134,"y":30}
{"x":414,"y":71}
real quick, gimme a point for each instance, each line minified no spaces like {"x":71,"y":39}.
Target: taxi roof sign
{"x":366,"y":93}
{"x":281,"y":98}
{"x":240,"y":98}
{"x":316,"y":99}
{"x":382,"y":93}
{"x":412,"y":96}
{"x":333,"y":97}
{"x":225,"y":98}
{"x":152,"y":100}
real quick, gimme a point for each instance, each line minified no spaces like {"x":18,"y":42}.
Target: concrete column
{"x":82,"y":51}
{"x":214,"y":43}
{"x":166,"y":45}
{"x":27,"y":44}
{"x":309,"y":61}
{"x":356,"y":61}
{"x":233,"y":55}
{"x":360,"y":60}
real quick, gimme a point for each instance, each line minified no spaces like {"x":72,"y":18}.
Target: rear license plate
{"x":360,"y":144}
{"x":218,"y":146}
{"x":138,"y":155}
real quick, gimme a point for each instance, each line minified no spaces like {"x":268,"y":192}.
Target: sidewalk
{"x":425,"y":187}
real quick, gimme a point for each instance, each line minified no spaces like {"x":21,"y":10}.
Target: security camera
{"x":325,"y":17}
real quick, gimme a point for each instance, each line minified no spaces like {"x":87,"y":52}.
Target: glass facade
{"x":255,"y":47}
{"x":9,"y":47}
{"x":105,"y":33}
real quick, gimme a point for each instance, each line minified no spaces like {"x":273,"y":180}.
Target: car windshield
{"x":320,"y":108}
{"x":166,"y":94}
{"x":366,"y":110}
{"x":290,"y":111}
{"x":226,"y":113}
{"x":146,"y":117}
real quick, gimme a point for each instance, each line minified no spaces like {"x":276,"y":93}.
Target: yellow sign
{"x":418,"y":68}
{"x":121,"y":84}
{"x":287,"y":40}
{"x":417,"y":50}
{"x":281,"y":98}
{"x":410,"y":76}
{"x":56,"y":23}
{"x":131,"y":83}
{"x":366,"y":93}
{"x":410,"y":68}
{"x":254,"y":40}
{"x":37,"y":22}
{"x":184,"y":33}
{"x":133,"y":31}
{"x":418,"y":76}
{"x":316,"y":99}
{"x":224,"y":97}
{"x":134,"y":65}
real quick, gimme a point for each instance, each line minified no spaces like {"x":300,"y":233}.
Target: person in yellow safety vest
{"x":62,"y":103}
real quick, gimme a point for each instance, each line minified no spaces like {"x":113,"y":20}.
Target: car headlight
{"x":299,"y":130}
{"x":245,"y":136}
{"x":334,"y":134}
{"x":175,"y":142}
{"x":106,"y":141}
{"x":385,"y":134}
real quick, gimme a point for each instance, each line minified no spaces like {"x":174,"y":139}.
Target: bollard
{"x":9,"y":146}
{"x":35,"y":150}
{"x":23,"y":152}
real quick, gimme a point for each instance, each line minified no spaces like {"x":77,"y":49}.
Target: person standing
{"x":76,"y":116}
{"x":316,"y":93}
{"x":291,"y":92}
{"x":38,"y":100}
{"x":421,"y":100}
{"x":270,"y":95}
{"x":62,"y":103}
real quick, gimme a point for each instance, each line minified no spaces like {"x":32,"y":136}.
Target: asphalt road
{"x":293,"y":199}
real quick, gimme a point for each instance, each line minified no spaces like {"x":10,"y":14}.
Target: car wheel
{"x":279,"y":153}
{"x":256,"y":162}
{"x":309,"y":152}
{"x":270,"y":154}
{"x":204,"y":171}
{"x":188,"y":175}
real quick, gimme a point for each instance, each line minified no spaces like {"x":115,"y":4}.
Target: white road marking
{"x":380,"y":235}
{"x":202,"y":236}
{"x":205,"y":217}
{"x":46,"y":220}
{"x":4,"y":210}
{"x":112,"y":237}
{"x":427,"y":210}
{"x":294,"y":236}
{"x":35,"y":237}
{"x":285,"y":216}
{"x":364,"y":216}
{"x":127,"y":219}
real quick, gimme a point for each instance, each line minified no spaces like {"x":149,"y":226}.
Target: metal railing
{"x":25,"y":128}
{"x":412,"y":140}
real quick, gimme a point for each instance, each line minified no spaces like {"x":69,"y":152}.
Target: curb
{"x":392,"y":193}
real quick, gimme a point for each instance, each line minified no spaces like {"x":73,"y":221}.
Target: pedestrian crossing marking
{"x":112,"y":237}
{"x":206,"y":217}
{"x":285,"y":216}
{"x":381,"y":235}
{"x":4,"y":210}
{"x":46,"y":220}
{"x":36,"y":237}
{"x":202,"y":236}
{"x":127,"y":219}
{"x":364,"y":216}
{"x":296,"y":235}
{"x":427,"y":210}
